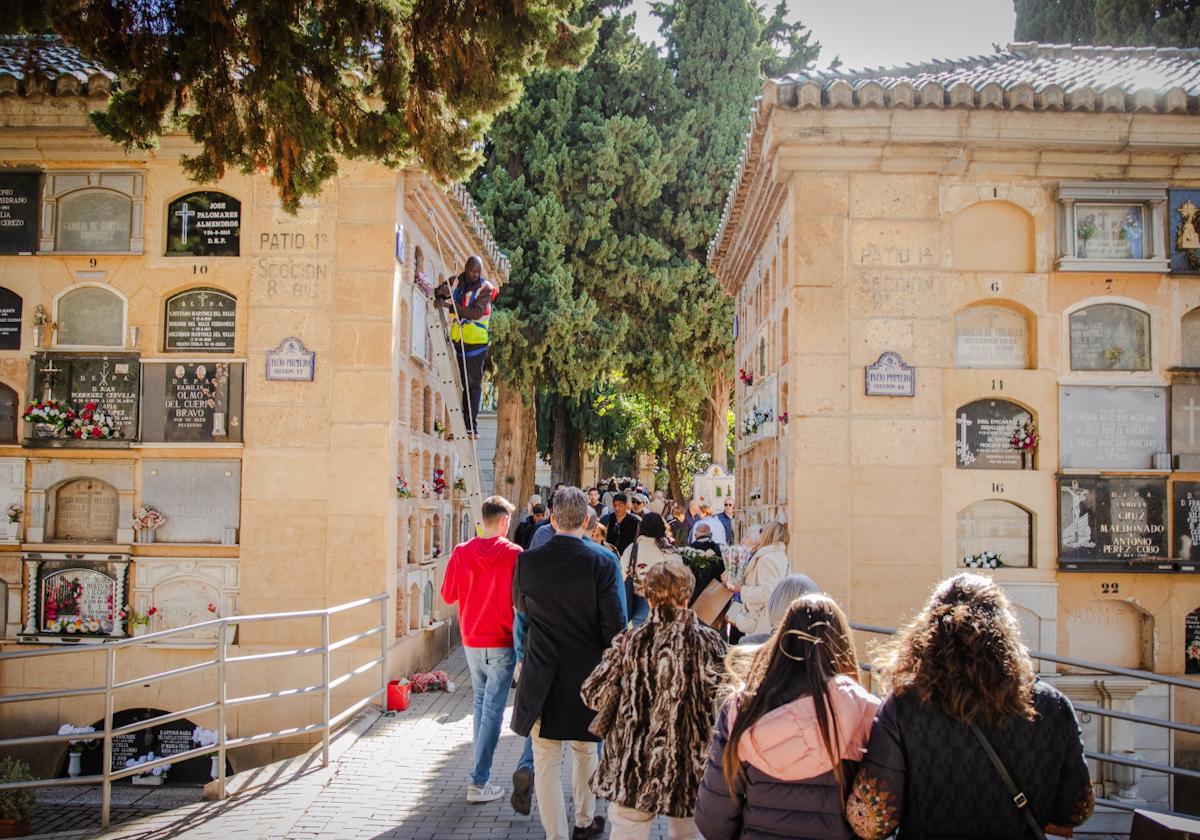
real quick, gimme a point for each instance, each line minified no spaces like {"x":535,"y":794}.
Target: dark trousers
{"x":473,"y":358}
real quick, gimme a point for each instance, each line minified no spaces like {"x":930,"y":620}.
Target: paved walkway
{"x":404,"y":778}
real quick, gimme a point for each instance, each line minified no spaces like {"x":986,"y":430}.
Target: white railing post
{"x":325,"y":681}
{"x":110,"y":679}
{"x":222,"y":696}
{"x":383,"y":652}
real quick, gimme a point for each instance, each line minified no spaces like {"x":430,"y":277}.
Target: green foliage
{"x":1163,"y":23}
{"x":288,"y":86}
{"x":16,"y":804}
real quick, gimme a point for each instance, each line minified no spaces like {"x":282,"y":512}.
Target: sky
{"x":875,"y":33}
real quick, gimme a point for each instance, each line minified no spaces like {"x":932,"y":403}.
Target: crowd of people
{"x":760,"y":726}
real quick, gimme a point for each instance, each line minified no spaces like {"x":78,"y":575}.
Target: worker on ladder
{"x":468,"y":297}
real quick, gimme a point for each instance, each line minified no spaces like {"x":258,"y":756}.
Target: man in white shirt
{"x":707,"y":517}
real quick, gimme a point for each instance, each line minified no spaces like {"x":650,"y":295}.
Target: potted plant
{"x":14,"y":521}
{"x":75,"y":748}
{"x":137,"y":623}
{"x":16,"y":806}
{"x":146,"y":521}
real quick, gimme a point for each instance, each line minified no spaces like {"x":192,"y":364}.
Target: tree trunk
{"x":516,"y":447}
{"x":673,"y":449}
{"x":714,"y":429}
{"x":559,"y":444}
{"x":576,"y":457}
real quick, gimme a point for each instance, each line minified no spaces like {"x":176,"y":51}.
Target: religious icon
{"x":1187,"y":236}
{"x":1078,"y":531}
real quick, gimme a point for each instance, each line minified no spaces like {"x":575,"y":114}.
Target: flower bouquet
{"x":49,"y":417}
{"x":92,"y":423}
{"x":439,"y":428}
{"x":783,"y":418}
{"x":136,"y":620}
{"x":1025,"y":438}
{"x":430,"y":681}
{"x":423,"y":282}
{"x":402,"y":488}
{"x":146,"y":521}
{"x":983,"y":560}
{"x":153,"y":776}
{"x":1193,"y":651}
{"x":439,"y":483}
{"x":737,"y":562}
{"x":698,"y":560}
{"x":746,"y":376}
{"x":460,"y":484}
{"x":75,"y":747}
{"x":14,"y":512}
{"x":75,"y":625}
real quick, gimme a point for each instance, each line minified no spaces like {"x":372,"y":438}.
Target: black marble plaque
{"x":1112,"y":519}
{"x":164,"y":740}
{"x":1185,"y":533}
{"x":18,"y":212}
{"x":112,"y":382}
{"x":983,"y":436}
{"x":193,"y":402}
{"x":10,"y":320}
{"x":201,"y":320}
{"x":1191,"y":642}
{"x":204,"y":224}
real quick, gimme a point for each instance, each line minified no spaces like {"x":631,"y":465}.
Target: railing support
{"x":222,"y":696}
{"x":110,"y":679}
{"x":325,"y":680}
{"x":383,"y":654}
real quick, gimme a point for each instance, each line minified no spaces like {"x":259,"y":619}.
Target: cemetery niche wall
{"x":993,"y":533}
{"x":1110,"y":336}
{"x":75,"y":598}
{"x":18,"y":212}
{"x":200,"y":320}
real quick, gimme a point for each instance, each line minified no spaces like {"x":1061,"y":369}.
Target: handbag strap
{"x":1019,"y":799}
{"x":631,"y":568}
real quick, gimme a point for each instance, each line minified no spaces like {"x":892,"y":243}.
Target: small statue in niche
{"x":1187,"y":234}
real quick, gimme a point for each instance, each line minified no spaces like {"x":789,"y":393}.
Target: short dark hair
{"x":538,"y":509}
{"x":495,"y":507}
{"x":620,"y":497}
{"x":558,"y":485}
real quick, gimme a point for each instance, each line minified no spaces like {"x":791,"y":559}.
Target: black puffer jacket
{"x":791,"y":790}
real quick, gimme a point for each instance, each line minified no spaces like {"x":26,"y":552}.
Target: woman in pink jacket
{"x":787,"y":745}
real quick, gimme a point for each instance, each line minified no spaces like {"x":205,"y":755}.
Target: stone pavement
{"x":403,"y":779}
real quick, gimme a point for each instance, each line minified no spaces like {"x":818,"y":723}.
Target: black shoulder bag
{"x":1019,"y":799}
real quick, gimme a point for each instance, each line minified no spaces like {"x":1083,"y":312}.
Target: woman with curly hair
{"x":786,"y":745}
{"x":962,"y":680}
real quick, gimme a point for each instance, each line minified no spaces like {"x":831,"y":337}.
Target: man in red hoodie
{"x":479,"y":578}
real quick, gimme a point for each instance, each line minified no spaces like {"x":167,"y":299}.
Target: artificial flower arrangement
{"x":50,"y":412}
{"x":430,"y":681}
{"x":1086,"y":228}
{"x":14,"y":512}
{"x":204,"y":737}
{"x":214,"y":609}
{"x":1026,"y":437}
{"x":783,"y":418}
{"x":157,"y":772}
{"x":92,"y":423}
{"x":437,"y":552}
{"x":1193,"y":650}
{"x":148,"y":519}
{"x":737,"y":562}
{"x":40,"y":316}
{"x":421,"y":280}
{"x":77,"y":746}
{"x":439,"y":428}
{"x":133,"y":617}
{"x":983,"y":560}
{"x":746,"y":376}
{"x":460,"y":484}
{"x":402,"y":488}
{"x":755,"y":420}
{"x":439,"y":483}
{"x":79,"y":625}
{"x":1113,"y":355}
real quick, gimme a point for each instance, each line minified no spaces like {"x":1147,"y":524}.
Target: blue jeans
{"x":639,"y":610}
{"x":491,"y":677}
{"x":526,"y":761}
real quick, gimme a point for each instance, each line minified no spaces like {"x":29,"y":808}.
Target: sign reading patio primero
{"x":291,"y":362}
{"x":890,"y":377}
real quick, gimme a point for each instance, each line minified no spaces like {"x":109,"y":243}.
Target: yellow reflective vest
{"x":466,"y":331}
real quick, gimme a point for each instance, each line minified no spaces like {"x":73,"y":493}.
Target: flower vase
{"x":45,"y":430}
{"x":12,"y":530}
{"x":140,"y":630}
{"x":146,"y":535}
{"x":216,"y":766}
{"x":74,"y":764}
{"x":1026,"y":459}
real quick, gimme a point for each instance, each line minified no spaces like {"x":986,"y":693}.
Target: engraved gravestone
{"x":983,"y":436}
{"x":90,"y":316}
{"x":1191,"y":642}
{"x":1185,"y":425}
{"x":94,"y":222}
{"x":1185,"y":535}
{"x":10,"y":320}
{"x":112,"y":383}
{"x":1190,"y":336}
{"x":192,"y":402}
{"x":163,"y":740}
{"x":71,"y":599}
{"x":85,"y":510}
{"x":996,"y":526}
{"x":991,"y":337}
{"x":1110,"y":336}
{"x":200,"y":499}
{"x":18,"y":212}
{"x":201,"y":320}
{"x":1111,"y":427}
{"x":1112,"y":519}
{"x":204,"y":224}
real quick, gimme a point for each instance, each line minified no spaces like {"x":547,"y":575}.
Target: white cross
{"x":185,"y":213}
{"x":1191,"y":410}
{"x":963,"y":423}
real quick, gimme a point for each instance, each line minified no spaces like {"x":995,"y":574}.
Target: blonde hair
{"x":772,"y":532}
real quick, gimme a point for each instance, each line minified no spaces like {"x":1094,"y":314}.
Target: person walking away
{"x":469,"y":298}
{"x":568,"y":592}
{"x":621,"y":524}
{"x":650,"y":548}
{"x":786,"y":744}
{"x":479,"y":578}
{"x":961,"y":678}
{"x":537,"y":515}
{"x":655,"y":692}
{"x":726,"y":517}
{"x":786,"y":591}
{"x":767,"y":566}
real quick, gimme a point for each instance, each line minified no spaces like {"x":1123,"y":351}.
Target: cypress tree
{"x":1161,"y":23}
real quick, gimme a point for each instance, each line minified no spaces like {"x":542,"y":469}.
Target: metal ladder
{"x":450,"y":386}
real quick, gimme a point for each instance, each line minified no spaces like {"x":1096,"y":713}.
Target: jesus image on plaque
{"x":1078,"y":531}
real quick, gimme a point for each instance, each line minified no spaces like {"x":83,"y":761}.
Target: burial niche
{"x":8,"y":414}
{"x":90,"y":316}
{"x":1112,"y":633}
{"x":996,"y":527}
{"x":93,"y":221}
{"x":1190,"y":335}
{"x":85,"y":510}
{"x":991,"y":336}
{"x":992,"y":236}
{"x":1191,"y":642}
{"x":984,"y":436}
{"x":1110,"y":336}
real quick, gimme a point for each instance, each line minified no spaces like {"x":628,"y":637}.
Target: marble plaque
{"x":991,"y":337}
{"x":10,"y":320}
{"x":1185,"y":534}
{"x":163,"y":740}
{"x":997,"y":526}
{"x":417,"y":337}
{"x":112,"y":383}
{"x":18,"y":212}
{"x":1110,"y":336}
{"x":10,"y":411}
{"x":1111,"y":427}
{"x":1185,"y":424}
{"x":983,"y":436}
{"x":193,"y":402}
{"x":204,"y":224}
{"x":91,"y":316}
{"x":201,"y":320}
{"x":94,"y":222}
{"x":85,"y":510}
{"x":891,"y":377}
{"x":200,"y":498}
{"x":1191,"y":642}
{"x":70,"y":595}
{"x":1110,"y":231}
{"x":1112,"y":519}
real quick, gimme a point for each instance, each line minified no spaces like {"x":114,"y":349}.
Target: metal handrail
{"x":222,"y":702}
{"x":1117,"y":670}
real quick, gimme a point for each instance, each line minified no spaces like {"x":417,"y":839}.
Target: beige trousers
{"x":631,"y":824}
{"x":547,"y":783}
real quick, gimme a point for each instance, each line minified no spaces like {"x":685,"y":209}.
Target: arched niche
{"x":783,"y":336}
{"x":1190,"y":337}
{"x":427,"y":410}
{"x":992,"y":336}
{"x":998,"y":526}
{"x":84,"y":510}
{"x":413,"y":542}
{"x":1109,"y":336}
{"x":992,"y":236}
{"x":983,"y":435}
{"x":94,"y":221}
{"x":415,"y":404}
{"x":9,"y":411}
{"x":90,"y":316}
{"x":414,"y":608}
{"x":1111,"y":633}
{"x":1191,"y":642}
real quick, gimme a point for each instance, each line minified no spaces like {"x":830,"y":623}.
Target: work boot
{"x":589,"y":831}
{"x":483,"y":793}
{"x":522,"y":795}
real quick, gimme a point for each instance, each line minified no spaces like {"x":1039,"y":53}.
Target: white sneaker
{"x":483,"y":793}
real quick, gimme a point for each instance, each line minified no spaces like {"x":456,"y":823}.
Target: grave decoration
{"x":101,"y":392}
{"x":425,"y":682}
{"x":163,"y":741}
{"x":1191,"y":642}
{"x":983,"y":560}
{"x":200,"y":500}
{"x":192,"y":402}
{"x":1185,"y":535}
{"x":1184,"y":230}
{"x":439,"y":483}
{"x":10,"y":316}
{"x":1108,"y":520}
{"x":74,"y":598}
{"x":402,"y":488}
{"x":18,"y":212}
{"x":1120,"y":427}
{"x":986,"y":431}
{"x":138,"y":622}
{"x":204,"y":224}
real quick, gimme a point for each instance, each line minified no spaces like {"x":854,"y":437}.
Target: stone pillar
{"x":31,"y":595}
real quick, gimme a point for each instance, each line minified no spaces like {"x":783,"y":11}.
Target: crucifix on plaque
{"x":184,"y":213}
{"x":1191,"y":410}
{"x":48,"y":380}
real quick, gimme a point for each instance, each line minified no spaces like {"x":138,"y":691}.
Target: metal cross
{"x":185,"y":213}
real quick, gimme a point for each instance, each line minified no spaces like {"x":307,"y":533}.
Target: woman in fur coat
{"x":654,"y":692}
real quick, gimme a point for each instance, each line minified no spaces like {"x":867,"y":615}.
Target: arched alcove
{"x":414,"y":608}
{"x":992,"y":236}
{"x":84,"y":510}
{"x":402,"y":407}
{"x":427,"y":414}
{"x":783,"y":336}
{"x":984,"y":432}
{"x":90,"y":316}
{"x":1190,"y":337}
{"x":93,"y":221}
{"x":1110,"y":336}
{"x":9,"y":412}
{"x":997,"y":526}
{"x":993,"y":336}
{"x":1113,"y":633}
{"x":414,"y":404}
{"x":413,"y":542}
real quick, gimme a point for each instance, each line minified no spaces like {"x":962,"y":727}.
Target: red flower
{"x":70,"y":414}
{"x":79,"y":433}
{"x":152,"y":611}
{"x":96,"y":432}
{"x":212,"y":608}
{"x":90,"y":406}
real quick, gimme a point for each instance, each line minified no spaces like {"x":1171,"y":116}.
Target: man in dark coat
{"x":568,"y":593}
{"x":621,"y":524}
